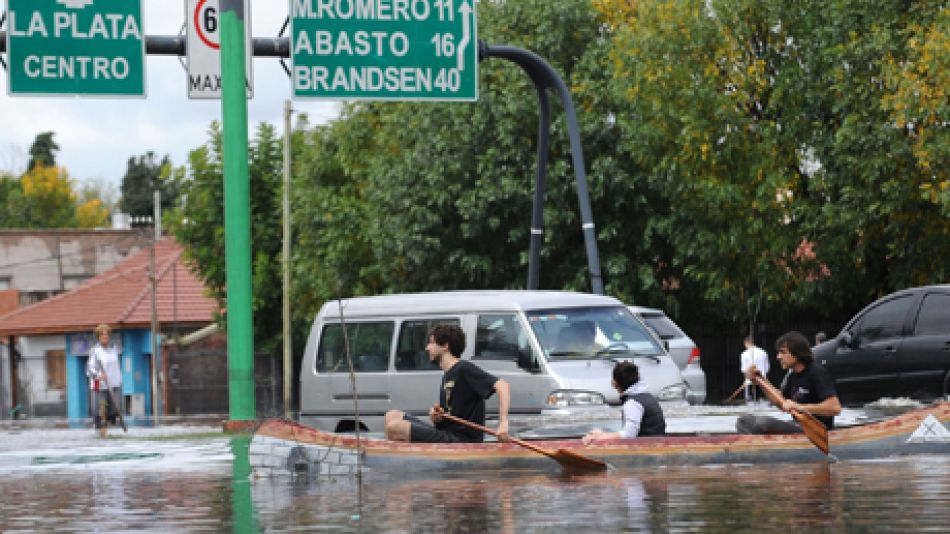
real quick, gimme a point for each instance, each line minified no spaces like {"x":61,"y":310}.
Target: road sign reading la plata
{"x":75,"y":47}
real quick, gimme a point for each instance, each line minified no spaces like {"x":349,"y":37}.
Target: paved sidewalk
{"x":45,"y":433}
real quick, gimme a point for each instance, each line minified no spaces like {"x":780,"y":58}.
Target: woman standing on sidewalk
{"x":105,"y":373}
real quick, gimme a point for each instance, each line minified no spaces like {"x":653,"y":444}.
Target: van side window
{"x":500,"y":337}
{"x":369,"y":347}
{"x":411,"y":352}
{"x":884,"y":321}
{"x":934,"y":315}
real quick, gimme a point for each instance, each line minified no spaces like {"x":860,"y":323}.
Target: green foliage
{"x":761,"y":122}
{"x":199,"y":225}
{"x":746,"y":160}
{"x":11,"y":201}
{"x":46,"y":197}
{"x":43,"y":151}
{"x":144,"y":174}
{"x":48,"y":200}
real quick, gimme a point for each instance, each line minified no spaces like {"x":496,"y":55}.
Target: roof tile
{"x":121,"y":297}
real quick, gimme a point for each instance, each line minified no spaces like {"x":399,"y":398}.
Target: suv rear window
{"x":663,"y":326}
{"x":934,"y":315}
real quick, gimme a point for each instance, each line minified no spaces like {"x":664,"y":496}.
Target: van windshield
{"x":585,"y":333}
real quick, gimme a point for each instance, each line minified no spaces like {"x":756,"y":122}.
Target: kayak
{"x":283,"y":447}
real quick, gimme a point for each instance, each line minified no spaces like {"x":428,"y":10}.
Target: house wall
{"x":36,"y":394}
{"x":41,"y":263}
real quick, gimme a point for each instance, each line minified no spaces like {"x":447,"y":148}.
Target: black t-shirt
{"x":465,"y":386}
{"x":813,"y":385}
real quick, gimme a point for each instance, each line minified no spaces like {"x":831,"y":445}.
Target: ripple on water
{"x":197,"y":491}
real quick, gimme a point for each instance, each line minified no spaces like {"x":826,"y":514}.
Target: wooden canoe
{"x":281,"y":447}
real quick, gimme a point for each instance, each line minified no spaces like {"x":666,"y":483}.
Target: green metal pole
{"x":237,"y":212}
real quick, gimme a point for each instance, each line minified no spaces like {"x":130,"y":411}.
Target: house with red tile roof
{"x":51,"y":338}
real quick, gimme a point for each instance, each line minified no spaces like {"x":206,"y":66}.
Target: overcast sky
{"x":96,"y":136}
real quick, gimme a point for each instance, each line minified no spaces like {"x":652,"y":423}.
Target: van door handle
{"x":890,"y":350}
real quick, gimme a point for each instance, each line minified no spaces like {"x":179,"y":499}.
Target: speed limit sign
{"x":204,"y":48}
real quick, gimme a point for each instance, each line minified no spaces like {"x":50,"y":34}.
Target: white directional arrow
{"x":74,"y":4}
{"x":466,"y":10}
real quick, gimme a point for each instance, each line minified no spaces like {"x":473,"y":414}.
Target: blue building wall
{"x":135,"y":347}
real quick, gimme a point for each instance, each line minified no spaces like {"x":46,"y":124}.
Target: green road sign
{"x":384,"y":49}
{"x":81,"y":47}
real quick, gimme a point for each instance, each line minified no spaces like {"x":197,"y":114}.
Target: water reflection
{"x":909,"y":494}
{"x":812,"y":497}
{"x":242,"y":509}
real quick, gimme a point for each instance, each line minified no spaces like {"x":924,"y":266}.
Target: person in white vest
{"x":752,"y":355}
{"x":105,"y":372}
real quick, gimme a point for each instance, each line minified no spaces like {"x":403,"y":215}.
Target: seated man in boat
{"x":465,"y":386}
{"x":807,"y":387}
{"x":642,"y":415}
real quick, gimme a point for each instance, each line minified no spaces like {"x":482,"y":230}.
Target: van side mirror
{"x":527,"y":361}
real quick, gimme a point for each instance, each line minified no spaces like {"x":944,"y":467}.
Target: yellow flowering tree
{"x":48,"y":198}
{"x":919,"y":101}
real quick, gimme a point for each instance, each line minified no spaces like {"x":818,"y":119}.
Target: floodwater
{"x":69,"y":481}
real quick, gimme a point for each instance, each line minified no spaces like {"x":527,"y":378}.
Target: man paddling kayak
{"x":808,"y":387}
{"x":465,"y":386}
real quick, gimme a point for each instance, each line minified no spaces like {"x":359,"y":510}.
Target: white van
{"x":557,"y":350}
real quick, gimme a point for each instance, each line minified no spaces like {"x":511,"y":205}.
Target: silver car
{"x":682,"y":350}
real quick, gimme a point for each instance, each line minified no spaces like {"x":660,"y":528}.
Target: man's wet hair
{"x":451,"y":335}
{"x":797,"y":344}
{"x":626,"y":374}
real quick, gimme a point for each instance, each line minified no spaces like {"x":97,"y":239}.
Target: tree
{"x":199,"y":225}
{"x":448,"y":187}
{"x":11,"y":201}
{"x":917,"y":99}
{"x":92,"y":213}
{"x":48,"y":198}
{"x":761,"y":122}
{"x":144,"y":174}
{"x":43,"y":151}
{"x":96,"y":200}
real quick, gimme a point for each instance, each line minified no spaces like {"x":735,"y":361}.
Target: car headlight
{"x":563,"y":398}
{"x":674,"y":392}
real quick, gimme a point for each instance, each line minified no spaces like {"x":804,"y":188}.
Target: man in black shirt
{"x":807,"y":387}
{"x":465,"y":386}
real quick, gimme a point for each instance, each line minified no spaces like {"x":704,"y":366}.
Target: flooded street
{"x":173,"y":479}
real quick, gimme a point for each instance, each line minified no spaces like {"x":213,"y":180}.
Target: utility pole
{"x":153,"y":278}
{"x":285,"y":257}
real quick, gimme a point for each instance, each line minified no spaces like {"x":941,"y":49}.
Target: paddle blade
{"x":576,"y":462}
{"x":814,"y":430}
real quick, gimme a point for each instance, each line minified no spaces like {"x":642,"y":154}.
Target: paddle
{"x":734,"y":393}
{"x":814,"y":429}
{"x":568,"y":459}
{"x":118,"y":409}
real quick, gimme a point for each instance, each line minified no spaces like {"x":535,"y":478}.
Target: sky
{"x":97,"y":136}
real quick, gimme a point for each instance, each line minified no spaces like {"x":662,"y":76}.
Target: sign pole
{"x":237,"y":202}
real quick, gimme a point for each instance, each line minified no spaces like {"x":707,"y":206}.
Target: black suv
{"x":899,"y":346}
